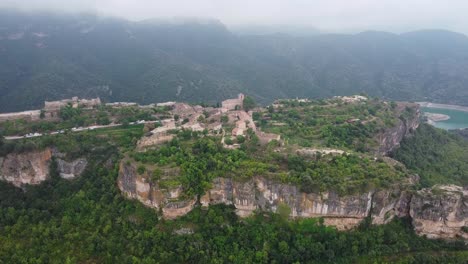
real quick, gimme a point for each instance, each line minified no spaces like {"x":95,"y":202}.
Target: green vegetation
{"x":438,"y":156}
{"x":78,"y":117}
{"x":88,"y":221}
{"x":77,"y":144}
{"x":330,"y":123}
{"x":203,"y":158}
{"x":345,"y":174}
{"x":249,"y":103}
{"x":68,"y":112}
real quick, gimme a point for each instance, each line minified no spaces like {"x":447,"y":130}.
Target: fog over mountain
{"x":45,"y":57}
{"x":149,"y":51}
{"x":331,"y":15}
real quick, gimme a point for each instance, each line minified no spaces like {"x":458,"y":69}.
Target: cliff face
{"x":33,"y":167}
{"x":139,"y":187}
{"x":434,"y":213}
{"x":263,"y":194}
{"x":258,"y":193}
{"x":441,"y":212}
{"x":391,"y":138}
{"x":69,"y":170}
{"x":25,"y":168}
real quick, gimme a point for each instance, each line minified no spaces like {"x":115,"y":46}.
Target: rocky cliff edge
{"x":441,"y":212}
{"x":33,"y":167}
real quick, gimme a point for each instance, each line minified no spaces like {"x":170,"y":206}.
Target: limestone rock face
{"x":33,"y":167}
{"x":388,"y":204}
{"x":262,"y":194}
{"x":25,"y":168}
{"x":258,"y":193}
{"x":440,"y":212}
{"x":390,"y":139}
{"x":139,"y":187}
{"x":70,"y":170}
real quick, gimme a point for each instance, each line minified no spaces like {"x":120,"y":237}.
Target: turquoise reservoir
{"x":458,"y":119}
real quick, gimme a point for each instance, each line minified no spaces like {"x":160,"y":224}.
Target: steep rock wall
{"x":440,"y":212}
{"x":257,"y":193}
{"x":139,"y":187}
{"x":72,"y":169}
{"x":34,"y":167}
{"x":262,"y":194}
{"x":25,"y":168}
{"x":391,"y":138}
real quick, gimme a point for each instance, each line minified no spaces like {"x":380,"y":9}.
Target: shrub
{"x":141,"y":169}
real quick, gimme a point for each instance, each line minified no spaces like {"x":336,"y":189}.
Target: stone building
{"x":231,"y":104}
{"x":25,"y":115}
{"x":265,"y":138}
{"x":52,"y":108}
{"x":74,"y":101}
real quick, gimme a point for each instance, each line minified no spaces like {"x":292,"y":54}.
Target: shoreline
{"x":443,"y":106}
{"x":434,"y":117}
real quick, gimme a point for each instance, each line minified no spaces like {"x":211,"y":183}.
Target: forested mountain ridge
{"x":45,"y":57}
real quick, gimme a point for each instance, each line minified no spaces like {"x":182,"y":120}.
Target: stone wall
{"x":231,"y":104}
{"x":33,"y":115}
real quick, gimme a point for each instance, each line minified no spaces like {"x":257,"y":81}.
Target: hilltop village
{"x":231,"y":120}
{"x":302,"y":158}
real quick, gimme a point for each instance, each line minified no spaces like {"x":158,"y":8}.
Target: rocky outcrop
{"x":390,"y":139}
{"x":25,"y":168}
{"x":262,"y":194}
{"x":34,"y":167}
{"x":388,"y":204}
{"x":440,"y":212}
{"x":258,"y":193}
{"x":72,"y":169}
{"x":140,"y":187}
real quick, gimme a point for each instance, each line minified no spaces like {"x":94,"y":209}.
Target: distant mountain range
{"x":47,"y":57}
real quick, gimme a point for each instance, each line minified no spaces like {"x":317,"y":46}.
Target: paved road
{"x":75,"y":129}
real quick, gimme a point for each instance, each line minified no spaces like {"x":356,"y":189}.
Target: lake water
{"x":458,"y":119}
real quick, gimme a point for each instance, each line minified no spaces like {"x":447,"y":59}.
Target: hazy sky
{"x":330,"y":15}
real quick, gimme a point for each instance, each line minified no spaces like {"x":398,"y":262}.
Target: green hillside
{"x":46,"y":57}
{"x":438,"y":156}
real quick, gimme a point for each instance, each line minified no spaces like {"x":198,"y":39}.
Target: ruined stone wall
{"x":33,"y":115}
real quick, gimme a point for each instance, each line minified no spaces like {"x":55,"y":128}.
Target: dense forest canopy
{"x":45,"y":57}
{"x":438,"y":156}
{"x":88,"y":221}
